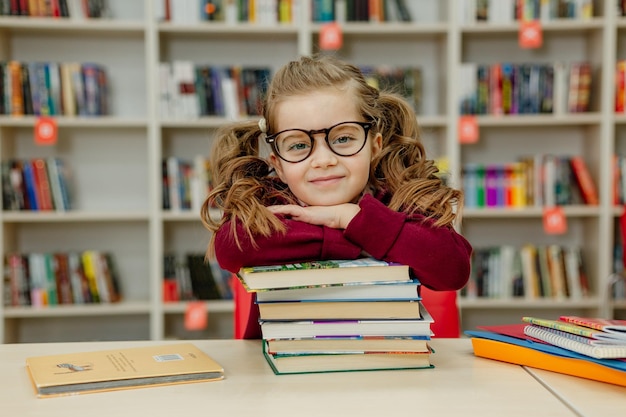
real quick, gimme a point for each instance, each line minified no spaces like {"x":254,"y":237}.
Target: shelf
{"x":529,"y":212}
{"x":525,"y":304}
{"x":83,"y":310}
{"x":213,"y":306}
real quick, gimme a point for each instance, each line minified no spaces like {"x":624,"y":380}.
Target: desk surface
{"x":459,"y":385}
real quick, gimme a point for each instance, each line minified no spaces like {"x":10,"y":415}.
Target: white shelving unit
{"x":116,"y":160}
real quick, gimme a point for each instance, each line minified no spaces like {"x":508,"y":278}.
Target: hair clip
{"x":263,"y":124}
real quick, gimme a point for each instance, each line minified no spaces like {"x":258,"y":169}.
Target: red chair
{"x":440,"y":304}
{"x":443,"y":307}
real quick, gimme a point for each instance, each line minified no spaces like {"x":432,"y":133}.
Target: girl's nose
{"x":322,"y":156}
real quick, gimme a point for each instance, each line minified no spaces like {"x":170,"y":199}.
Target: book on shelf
{"x":107,"y":370}
{"x":340,"y":310}
{"x":580,"y":344}
{"x":41,"y":279}
{"x":350,"y":344}
{"x":317,"y":328}
{"x":336,"y":362}
{"x":587,"y":187}
{"x":384,"y":291}
{"x":508,"y":344}
{"x":322,"y":272}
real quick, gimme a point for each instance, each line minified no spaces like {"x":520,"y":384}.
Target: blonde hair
{"x":244,"y":180}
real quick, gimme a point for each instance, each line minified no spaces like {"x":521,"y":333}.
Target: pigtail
{"x":403,"y":169}
{"x":242,"y":179}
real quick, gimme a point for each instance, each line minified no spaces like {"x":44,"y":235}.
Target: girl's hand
{"x":336,"y":217}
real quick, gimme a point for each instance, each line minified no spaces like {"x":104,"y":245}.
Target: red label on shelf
{"x":45,"y":131}
{"x":468,"y":129}
{"x":331,"y":37}
{"x":196,"y":316}
{"x":554,"y":221}
{"x":530,"y":35}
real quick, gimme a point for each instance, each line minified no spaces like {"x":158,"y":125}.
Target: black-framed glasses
{"x":296,"y":145}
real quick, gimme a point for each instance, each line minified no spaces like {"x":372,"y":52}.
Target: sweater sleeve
{"x":301,"y":242}
{"x":438,"y":256}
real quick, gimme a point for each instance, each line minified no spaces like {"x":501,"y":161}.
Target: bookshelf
{"x":116,"y":159}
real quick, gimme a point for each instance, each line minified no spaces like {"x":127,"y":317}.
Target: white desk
{"x":460,"y":385}
{"x":588,"y":398}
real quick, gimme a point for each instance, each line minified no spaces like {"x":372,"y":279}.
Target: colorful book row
{"x":186,"y":183}
{"x":540,"y":180}
{"x":38,"y":184}
{"x":229,"y":11}
{"x":54,"y":8}
{"x":191,"y":277}
{"x":189,"y":90}
{"x":42,"y":279}
{"x":507,"y":11}
{"x":531,"y":272}
{"x":361,"y":11}
{"x":53,"y":88}
{"x":507,"y":88}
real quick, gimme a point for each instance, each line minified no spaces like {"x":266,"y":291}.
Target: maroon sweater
{"x":438,"y":256}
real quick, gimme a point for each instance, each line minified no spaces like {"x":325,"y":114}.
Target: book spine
{"x":583,"y":180}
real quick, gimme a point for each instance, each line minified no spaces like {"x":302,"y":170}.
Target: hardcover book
{"x":315,"y":328}
{"x":107,"y":370}
{"x":354,"y":344}
{"x":343,"y":292}
{"x":315,"y":363}
{"x":324,"y":272}
{"x":340,"y":310}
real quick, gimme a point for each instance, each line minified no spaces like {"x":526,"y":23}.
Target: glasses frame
{"x":271,"y":139}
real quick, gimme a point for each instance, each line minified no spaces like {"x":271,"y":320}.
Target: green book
{"x":324,"y":272}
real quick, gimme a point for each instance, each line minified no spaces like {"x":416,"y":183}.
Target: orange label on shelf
{"x":530,"y":34}
{"x":554,"y":221}
{"x":46,"y":131}
{"x":331,"y":37}
{"x":196,"y":316}
{"x":468,"y":129}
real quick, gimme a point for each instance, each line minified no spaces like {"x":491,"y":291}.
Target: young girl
{"x":346,"y":177}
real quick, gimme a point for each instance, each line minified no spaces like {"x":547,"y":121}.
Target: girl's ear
{"x":275,"y":162}
{"x":377,"y":144}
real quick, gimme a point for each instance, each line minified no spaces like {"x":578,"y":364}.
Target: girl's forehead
{"x":309,"y":110}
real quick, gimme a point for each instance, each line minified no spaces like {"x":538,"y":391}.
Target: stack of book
{"x":340,"y":315}
{"x":586,"y":347}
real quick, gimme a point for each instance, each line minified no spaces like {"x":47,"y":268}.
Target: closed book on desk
{"x":597,"y":336}
{"x":340,"y":310}
{"x":316,"y":363}
{"x":83,"y":372}
{"x":354,"y":344}
{"x":315,"y":328}
{"x":580,"y":344}
{"x":614,"y":327}
{"x":343,"y":292}
{"x":326,"y":272}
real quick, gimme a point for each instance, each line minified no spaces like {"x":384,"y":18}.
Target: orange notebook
{"x":520,"y":355}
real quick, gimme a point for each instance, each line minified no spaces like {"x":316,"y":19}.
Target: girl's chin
{"x":324,"y":203}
